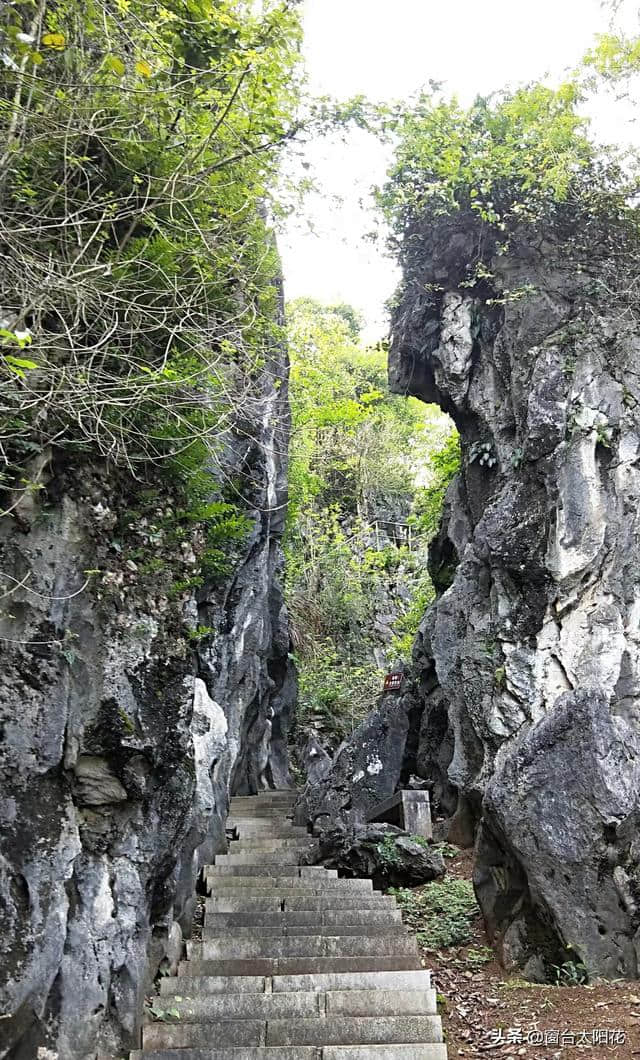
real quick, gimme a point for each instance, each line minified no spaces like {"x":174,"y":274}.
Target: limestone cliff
{"x":527,"y":664}
{"x":132,"y":705}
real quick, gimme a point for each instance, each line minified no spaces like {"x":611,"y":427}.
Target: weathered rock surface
{"x":380,"y":852}
{"x":125,"y":727}
{"x":528,"y":664}
{"x":364,"y":771}
{"x":564,"y":804}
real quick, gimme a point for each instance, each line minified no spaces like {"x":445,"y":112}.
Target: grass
{"x":442,"y":914}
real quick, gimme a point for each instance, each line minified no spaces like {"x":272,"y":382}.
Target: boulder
{"x":558,"y":855}
{"x":366,"y":768}
{"x":381,"y":852}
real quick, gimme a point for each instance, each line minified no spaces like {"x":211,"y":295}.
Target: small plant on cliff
{"x":388,"y":853}
{"x":163,"y":1015}
{"x":571,"y":972}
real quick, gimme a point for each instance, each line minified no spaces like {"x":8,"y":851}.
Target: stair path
{"x":294,"y":963}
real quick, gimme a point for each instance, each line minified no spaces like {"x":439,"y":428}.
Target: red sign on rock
{"x":393,"y":682}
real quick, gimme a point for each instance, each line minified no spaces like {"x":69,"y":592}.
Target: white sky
{"x":388,"y":49}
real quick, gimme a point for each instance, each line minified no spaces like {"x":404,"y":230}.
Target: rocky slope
{"x":131,"y":707}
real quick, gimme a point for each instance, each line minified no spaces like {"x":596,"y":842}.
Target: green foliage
{"x":444,"y":464}
{"x":334,"y":696}
{"x":448,"y":850}
{"x":200,"y":633}
{"x":163,"y":1015}
{"x":356,"y":453}
{"x":500,"y":676}
{"x":614,"y":58}
{"x":518,"y":165}
{"x":388,"y":853}
{"x":570,"y":973}
{"x":442,"y":914}
{"x":407,"y":625}
{"x":479,"y":956}
{"x":503,"y":159}
{"x":139,"y":148}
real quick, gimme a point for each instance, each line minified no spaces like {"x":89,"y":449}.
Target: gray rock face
{"x":564,"y":803}
{"x":364,"y":771}
{"x":123,"y":737}
{"x":315,"y":761}
{"x":534,"y":632}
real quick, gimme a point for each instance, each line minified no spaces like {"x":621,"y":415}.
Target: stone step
{"x":230,"y":921}
{"x":271,"y":852}
{"x":356,"y":1030}
{"x":272,"y":799}
{"x":211,"y":930}
{"x":200,"y":985}
{"x":258,"y":984}
{"x":262,"y":830}
{"x":248,"y":887}
{"x":300,"y":1004}
{"x":248,"y":902}
{"x":287,"y":966}
{"x":302,"y":1052}
{"x":341,"y":981}
{"x":247,"y":846}
{"x":260,"y":801}
{"x":296,"y":871}
{"x":337,"y":1030}
{"x":301,"y":946}
{"x":275,"y":884}
{"x":282,"y":818}
{"x":288,"y":856}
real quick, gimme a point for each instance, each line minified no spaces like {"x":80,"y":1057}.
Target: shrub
{"x":442,"y":914}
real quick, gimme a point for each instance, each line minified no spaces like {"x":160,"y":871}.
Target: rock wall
{"x":528,"y":664}
{"x":365,"y":770}
{"x":131,"y":706}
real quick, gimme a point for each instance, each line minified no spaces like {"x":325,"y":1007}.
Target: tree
{"x":355,"y":547}
{"x":139,"y":154}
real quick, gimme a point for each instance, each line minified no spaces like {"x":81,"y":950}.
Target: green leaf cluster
{"x":504,"y":159}
{"x":138,"y":160}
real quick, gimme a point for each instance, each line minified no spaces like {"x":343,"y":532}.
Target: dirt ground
{"x":485,"y":1013}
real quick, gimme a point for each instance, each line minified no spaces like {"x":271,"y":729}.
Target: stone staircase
{"x":294,"y":964}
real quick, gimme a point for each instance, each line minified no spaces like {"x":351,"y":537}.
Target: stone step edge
{"x":362,"y":1030}
{"x":398,"y":1051}
{"x":329,"y":1002}
{"x":286,"y":966}
{"x":324,"y":981}
{"x":213,"y":932}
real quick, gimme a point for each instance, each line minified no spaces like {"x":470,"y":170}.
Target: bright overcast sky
{"x":387,"y":49}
